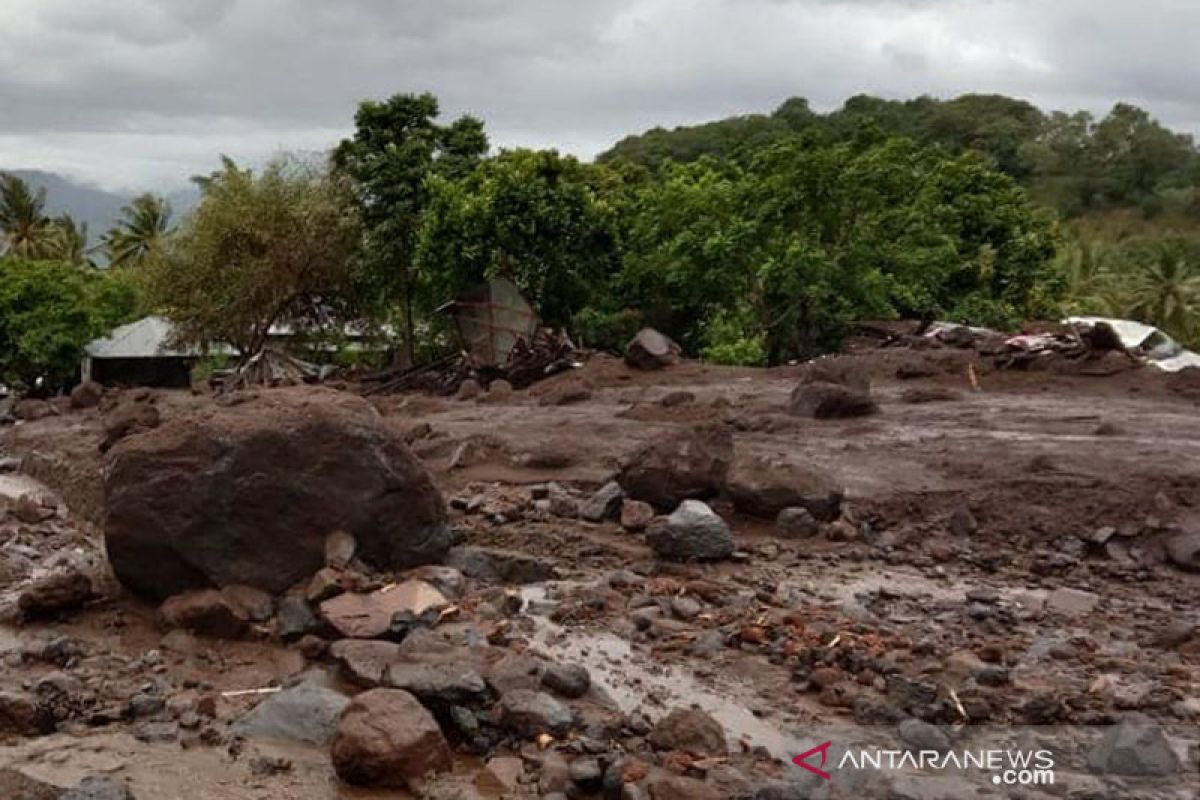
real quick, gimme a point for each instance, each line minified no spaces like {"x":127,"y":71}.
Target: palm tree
{"x":25,"y":230}
{"x":68,"y":242}
{"x":140,"y":232}
{"x":1165,"y":292}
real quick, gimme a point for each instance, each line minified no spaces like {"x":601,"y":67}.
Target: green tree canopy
{"x":276,"y":247}
{"x":397,"y":146}
{"x":540,"y":219}
{"x":48,"y":311}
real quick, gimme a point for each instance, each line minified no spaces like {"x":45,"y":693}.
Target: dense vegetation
{"x":749,"y":240}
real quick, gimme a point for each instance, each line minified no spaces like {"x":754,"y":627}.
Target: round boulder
{"x":247,"y":493}
{"x":685,"y":464}
{"x":386,"y":738}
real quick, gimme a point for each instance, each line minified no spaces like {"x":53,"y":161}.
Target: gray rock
{"x":586,"y":773}
{"x":692,"y":532}
{"x":567,"y":680}
{"x":822,"y":400}
{"x":920,"y":735}
{"x":963,"y":522}
{"x":604,"y":504}
{"x":1135,"y":746}
{"x":685,"y":608}
{"x":500,"y":566}
{"x":294,"y":618}
{"x":1072,"y":602}
{"x":1184,"y":550}
{"x":305,"y":713}
{"x":438,"y":685}
{"x":528,"y":714}
{"x":797,"y":523}
{"x":99,"y":787}
{"x":562,"y":502}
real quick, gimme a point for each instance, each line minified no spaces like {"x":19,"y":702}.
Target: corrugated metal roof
{"x":146,"y":338}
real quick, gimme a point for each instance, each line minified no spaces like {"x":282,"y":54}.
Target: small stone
{"x":604,"y":504}
{"x":306,"y":712}
{"x":796,"y":523}
{"x":528,"y":713}
{"x":920,"y":735}
{"x":21,"y":714}
{"x":98,"y":787}
{"x":568,"y":680}
{"x":691,"y":730}
{"x":255,"y":604}
{"x":562,"y":502}
{"x":685,"y":608}
{"x":369,"y":616}
{"x":469,"y":389}
{"x":693,"y":532}
{"x":962,"y":522}
{"x":207,"y":612}
{"x":1072,"y":602}
{"x":586,"y":773}
{"x":294,"y":619}
{"x":340,"y":548}
{"x":636,"y":515}
{"x":325,"y":584}
{"x":501,"y":774}
{"x":665,"y":786}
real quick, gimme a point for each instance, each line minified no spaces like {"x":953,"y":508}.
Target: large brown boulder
{"x":247,"y":494}
{"x":386,"y":738}
{"x":763,"y":488}
{"x":686,"y":464}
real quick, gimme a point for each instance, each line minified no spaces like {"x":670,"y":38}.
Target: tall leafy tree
{"x":397,"y":146}
{"x":535,"y":217}
{"x":48,"y":311}
{"x":276,"y":247}
{"x":141,"y":231}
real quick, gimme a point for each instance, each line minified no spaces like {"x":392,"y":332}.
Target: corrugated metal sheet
{"x":146,"y":338}
{"x":490,"y":318}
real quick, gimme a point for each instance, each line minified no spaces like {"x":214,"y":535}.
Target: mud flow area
{"x":834,"y":580}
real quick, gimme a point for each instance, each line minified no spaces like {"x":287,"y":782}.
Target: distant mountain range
{"x":98,"y":208}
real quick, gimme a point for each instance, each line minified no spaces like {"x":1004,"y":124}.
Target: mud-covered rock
{"x":636,"y":515}
{"x":1183,"y":549}
{"x":823,"y":400}
{"x":796,"y":523}
{"x":1135,"y":746}
{"x":605,"y":503}
{"x":248,"y":493}
{"x":99,"y":787}
{"x":207,"y":612}
{"x":567,"y":680}
{"x":23,"y":715}
{"x":127,"y":418}
{"x":386,"y":737}
{"x":528,"y":713}
{"x":691,"y":730}
{"x":86,"y":395}
{"x":686,"y":464}
{"x":307,"y":712}
{"x":55,"y":593}
{"x":500,"y":566}
{"x":649,"y":349}
{"x":693,"y":532}
{"x":763,"y":488}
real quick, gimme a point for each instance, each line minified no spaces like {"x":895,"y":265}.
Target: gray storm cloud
{"x":134,"y":93}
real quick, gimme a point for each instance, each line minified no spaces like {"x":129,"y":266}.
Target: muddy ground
{"x":1000,"y":562}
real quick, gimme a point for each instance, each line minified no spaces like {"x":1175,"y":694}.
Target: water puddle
{"x":629,"y":677}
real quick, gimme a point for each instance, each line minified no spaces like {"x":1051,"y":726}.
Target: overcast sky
{"x":143,"y":93}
